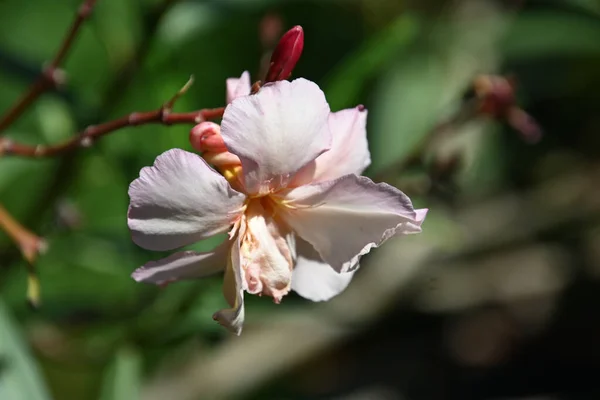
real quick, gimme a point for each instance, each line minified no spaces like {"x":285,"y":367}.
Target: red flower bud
{"x":286,"y":55}
{"x":497,"y":99}
{"x":497,"y":94}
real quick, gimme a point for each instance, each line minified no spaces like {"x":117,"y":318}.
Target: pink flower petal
{"x":349,"y":153}
{"x":233,"y":289}
{"x":183,"y":265}
{"x":344,"y":219}
{"x":237,"y":87}
{"x":277,"y":132}
{"x":180,"y":200}
{"x":266,"y":256}
{"x":315,"y":280}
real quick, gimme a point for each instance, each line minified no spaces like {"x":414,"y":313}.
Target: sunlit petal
{"x":277,"y":132}
{"x":180,"y":200}
{"x":237,"y":87}
{"x":344,"y":219}
{"x":349,"y":153}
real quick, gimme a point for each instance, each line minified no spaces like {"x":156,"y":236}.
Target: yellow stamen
{"x":231,"y":172}
{"x":290,"y":204}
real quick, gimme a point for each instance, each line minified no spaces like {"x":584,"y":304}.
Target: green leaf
{"x":407,"y":108}
{"x":123,"y":377}
{"x":20,"y":378}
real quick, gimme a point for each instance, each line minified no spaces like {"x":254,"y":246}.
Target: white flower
{"x":298,"y":214}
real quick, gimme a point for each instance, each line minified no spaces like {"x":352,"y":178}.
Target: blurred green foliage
{"x":98,"y":333}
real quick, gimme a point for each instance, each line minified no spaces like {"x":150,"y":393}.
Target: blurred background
{"x":497,"y":299}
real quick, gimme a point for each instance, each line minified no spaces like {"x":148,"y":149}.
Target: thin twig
{"x":30,"y":246}
{"x":87,"y":137}
{"x":51,"y":75}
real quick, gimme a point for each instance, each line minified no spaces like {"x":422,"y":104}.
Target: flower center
{"x":266,"y":256}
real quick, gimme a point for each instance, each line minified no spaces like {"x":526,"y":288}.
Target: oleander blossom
{"x":298,"y":214}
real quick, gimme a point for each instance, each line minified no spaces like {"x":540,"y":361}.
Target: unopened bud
{"x":206,"y":136}
{"x":286,"y":55}
{"x":497,"y":94}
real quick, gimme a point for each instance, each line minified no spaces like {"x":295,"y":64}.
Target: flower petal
{"x":277,"y":132}
{"x":237,"y":87}
{"x":183,"y":265}
{"x":315,"y":280}
{"x":178,"y":201}
{"x":344,"y":219}
{"x":233,"y":289}
{"x":266,"y":256}
{"x":349,"y":153}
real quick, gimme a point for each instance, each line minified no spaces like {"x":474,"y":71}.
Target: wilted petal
{"x":237,"y":87}
{"x":344,"y":219}
{"x":315,"y":280}
{"x":266,"y":256}
{"x":178,"y":201}
{"x":183,"y":265}
{"x":349,"y":153}
{"x":277,"y":132}
{"x":233,"y":289}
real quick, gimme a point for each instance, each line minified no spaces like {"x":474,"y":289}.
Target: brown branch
{"x":51,"y":75}
{"x":90,"y":134}
{"x":86,"y":138}
{"x":30,"y":246}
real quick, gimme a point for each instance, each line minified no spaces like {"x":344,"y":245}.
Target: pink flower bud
{"x":221,"y":160}
{"x":286,"y":55}
{"x":206,"y":137}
